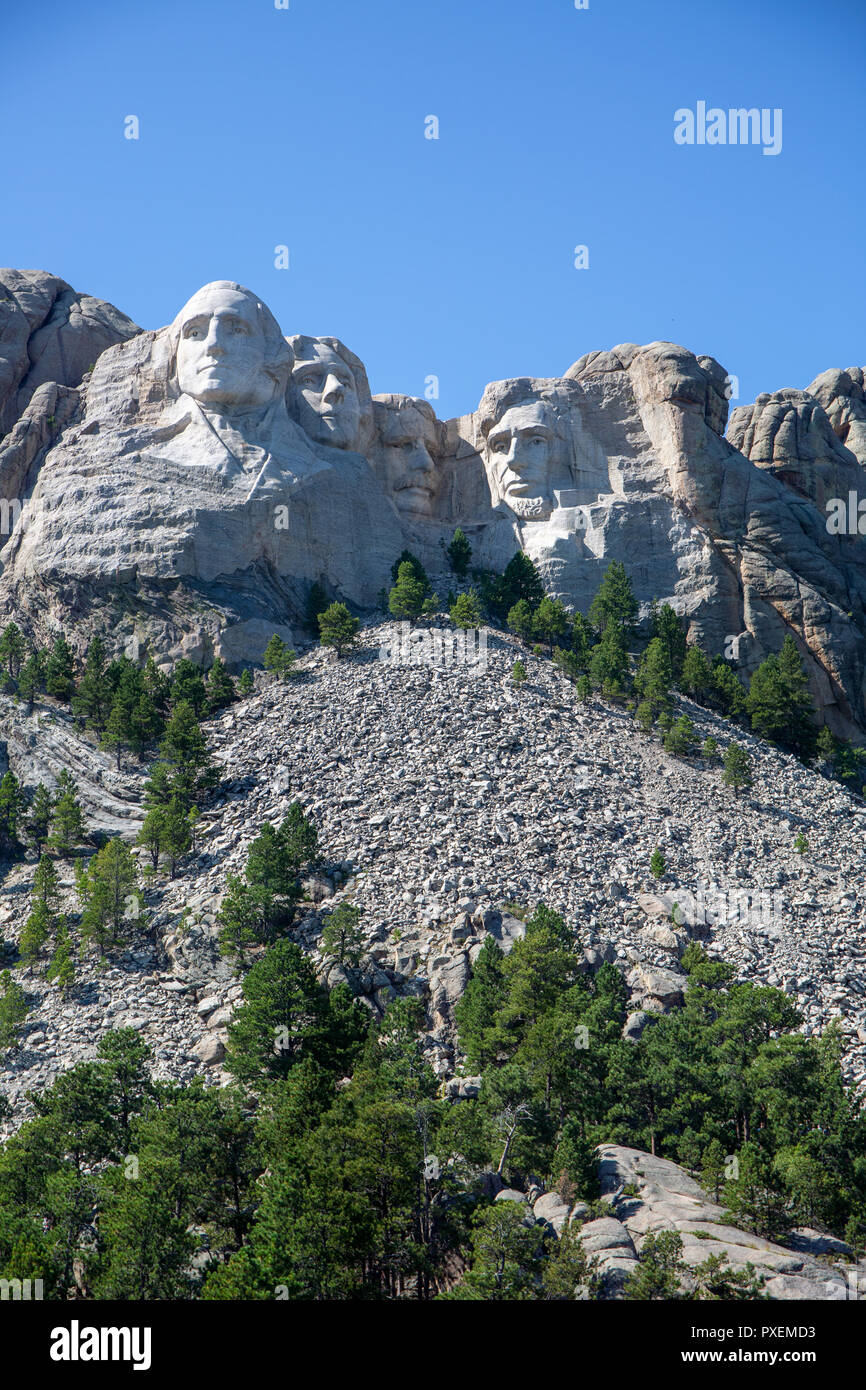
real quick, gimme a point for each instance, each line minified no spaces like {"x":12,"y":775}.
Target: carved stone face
{"x":521,"y":453}
{"x":408,"y":442}
{"x":221,"y":351}
{"x":329,"y":409}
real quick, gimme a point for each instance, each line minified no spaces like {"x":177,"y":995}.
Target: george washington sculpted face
{"x":222,"y":349}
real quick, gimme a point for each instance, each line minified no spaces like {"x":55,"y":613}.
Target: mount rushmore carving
{"x":189,"y":485}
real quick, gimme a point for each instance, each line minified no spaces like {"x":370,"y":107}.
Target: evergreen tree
{"x":465,"y":611}
{"x":583,"y":639}
{"x":459,"y":553}
{"x":669,"y":629}
{"x":520,"y":580}
{"x":14,"y":1008}
{"x":67,"y":822}
{"x":658,"y":867}
{"x":660,"y":1268}
{"x":728,"y":689}
{"x":31,"y":679}
{"x":518,"y":673}
{"x":177,"y":833}
{"x":737,"y":768}
{"x":187,"y":687}
{"x":159,"y":787}
{"x":680,"y":740}
{"x":696,"y":676}
{"x":710,"y":748}
{"x":655,"y":676}
{"x":567,"y":663}
{"x":507,"y":1257}
{"x":152,"y":834}
{"x":477,"y":1008}
{"x":338,"y":628}
{"x":60,"y":671}
{"x":109,"y":895}
{"x":779,"y":703}
{"x":220,"y":688}
{"x":246,"y":682}
{"x":520,"y":620}
{"x":184,"y":750}
{"x":608,"y":662}
{"x":13,"y":649}
{"x":282,"y":1020}
{"x":92,"y":699}
{"x":407,"y":597}
{"x":343,"y":935}
{"x":11,"y":807}
{"x":550,"y":622}
{"x":407,"y":558}
{"x":279,"y":658}
{"x":615,"y":601}
{"x":120,"y":732}
{"x":62,"y":965}
{"x":39,"y":816}
{"x":584,"y":690}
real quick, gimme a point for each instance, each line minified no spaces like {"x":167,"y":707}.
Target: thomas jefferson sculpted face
{"x":521,"y":450}
{"x":408,"y":443}
{"x":224,"y":349}
{"x":326,"y":396}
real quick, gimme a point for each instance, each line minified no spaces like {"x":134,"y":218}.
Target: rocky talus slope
{"x":443,"y":798}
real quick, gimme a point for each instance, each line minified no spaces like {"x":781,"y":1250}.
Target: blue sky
{"x":452,"y":257}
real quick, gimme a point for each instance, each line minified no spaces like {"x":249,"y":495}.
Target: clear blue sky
{"x":305,"y":127}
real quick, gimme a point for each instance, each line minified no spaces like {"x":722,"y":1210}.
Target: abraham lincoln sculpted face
{"x":521,"y":452}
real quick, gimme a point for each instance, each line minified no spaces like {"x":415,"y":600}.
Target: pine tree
{"x":60,"y":671}
{"x":583,"y":639}
{"x":184,"y":750}
{"x":220,"y":688}
{"x":583,"y":690}
{"x":34,"y":934}
{"x":826,"y":747}
{"x":246,"y":682}
{"x":520,"y":620}
{"x":13,"y":649}
{"x":119,"y":732}
{"x":550,"y":622}
{"x":615,"y":601}
{"x":39,"y":816}
{"x":459,"y":553}
{"x":737,"y":768}
{"x":710,"y":748}
{"x":407,"y":558}
{"x":279,"y":658}
{"x":680,"y":740}
{"x":608,"y":663}
{"x":696,"y":677}
{"x":728,"y":689}
{"x":187,"y":687}
{"x":109,"y":894}
{"x":176,"y":833}
{"x":670,"y":630}
{"x":477,"y":1009}
{"x":11,"y":807}
{"x":92,"y":700}
{"x":152,"y":834}
{"x":658,"y":867}
{"x":645,"y":716}
{"x":343,"y":935}
{"x":62,"y":965}
{"x":31,"y":679}
{"x":655,"y":676}
{"x":338,"y":628}
{"x":407,"y":597}
{"x":67,"y":822}
{"x":567,"y":663}
{"x":520,"y":580}
{"x":466,"y":611}
{"x":518,"y":673}
{"x":159,"y":788}
{"x":14,"y":1008}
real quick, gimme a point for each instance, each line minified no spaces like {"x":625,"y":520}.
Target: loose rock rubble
{"x":447,"y":800}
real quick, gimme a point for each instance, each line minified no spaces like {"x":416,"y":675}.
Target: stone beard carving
{"x":329,"y":395}
{"x":525,"y":455}
{"x":409,"y":439}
